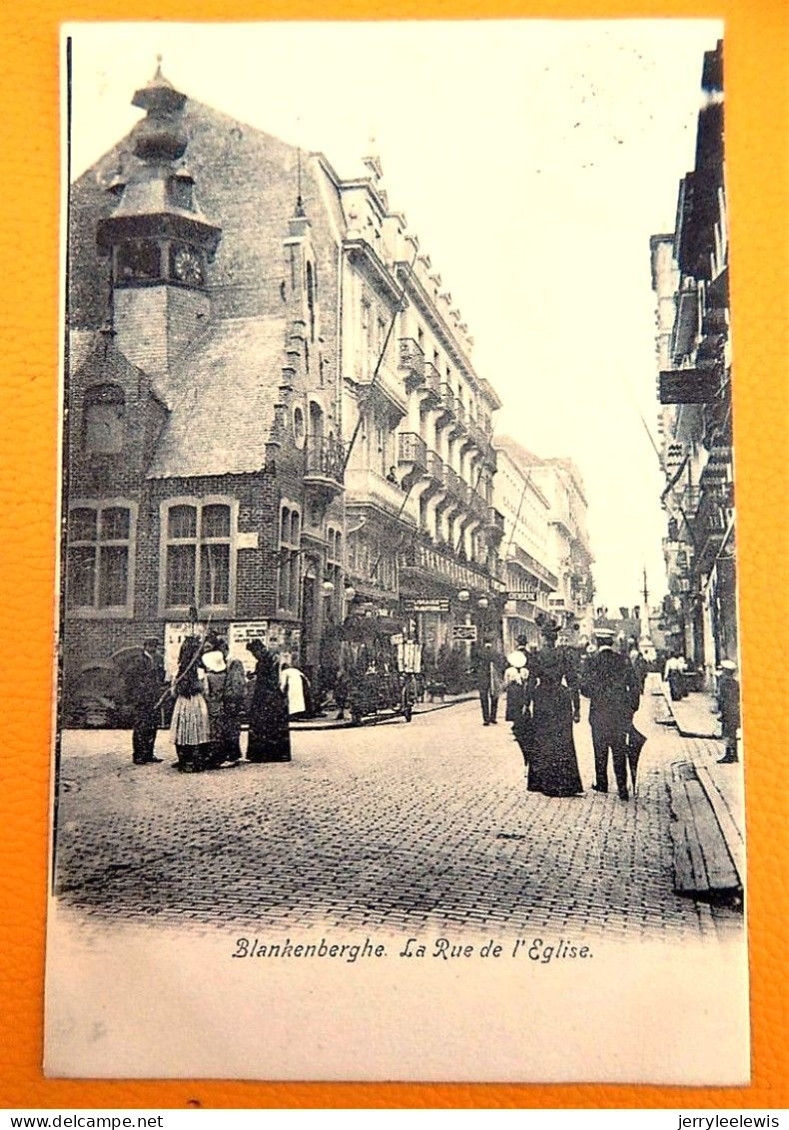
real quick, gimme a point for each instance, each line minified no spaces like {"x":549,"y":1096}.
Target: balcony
{"x":443,"y":563}
{"x":436,"y":469}
{"x":366,"y":488}
{"x":458,"y":423}
{"x":431,"y":385}
{"x":412,"y":363}
{"x":494,"y":525}
{"x":324,"y":465}
{"x":455,"y":485}
{"x":412,"y":451}
{"x":446,"y":405}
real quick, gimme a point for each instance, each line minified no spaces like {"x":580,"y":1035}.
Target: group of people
{"x":543,"y":691}
{"x":209,"y":693}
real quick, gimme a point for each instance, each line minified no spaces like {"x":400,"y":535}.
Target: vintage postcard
{"x":398,"y":730}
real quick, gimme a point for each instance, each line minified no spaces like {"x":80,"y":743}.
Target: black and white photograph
{"x":398,"y":725}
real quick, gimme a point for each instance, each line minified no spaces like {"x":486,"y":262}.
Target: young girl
{"x":189,"y":729}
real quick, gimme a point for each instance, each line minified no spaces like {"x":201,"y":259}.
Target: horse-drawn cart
{"x":378,"y":668}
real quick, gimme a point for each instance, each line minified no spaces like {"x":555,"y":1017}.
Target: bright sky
{"x":533,"y":159}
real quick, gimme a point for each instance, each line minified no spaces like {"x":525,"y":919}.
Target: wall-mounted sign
{"x":466,"y":632}
{"x":440,"y":604}
{"x":523,"y":594}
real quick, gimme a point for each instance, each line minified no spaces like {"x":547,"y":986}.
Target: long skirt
{"x":269,"y":733}
{"x":189,"y":724}
{"x":553,"y":764}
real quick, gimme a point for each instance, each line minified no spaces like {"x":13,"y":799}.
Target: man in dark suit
{"x":611,"y":685}
{"x":144,"y":679}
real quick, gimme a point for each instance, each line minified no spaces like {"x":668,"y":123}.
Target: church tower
{"x":159,"y":241}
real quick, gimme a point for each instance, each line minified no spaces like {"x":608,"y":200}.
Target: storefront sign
{"x":523,"y":594}
{"x":239,"y":635}
{"x":464,"y":632}
{"x":425,"y":605}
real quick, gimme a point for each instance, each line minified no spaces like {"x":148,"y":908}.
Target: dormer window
{"x":181,"y":192}
{"x":103,"y":419}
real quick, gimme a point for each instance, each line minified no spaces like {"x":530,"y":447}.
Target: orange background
{"x":757,"y":54}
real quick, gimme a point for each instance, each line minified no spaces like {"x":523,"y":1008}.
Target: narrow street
{"x":394,"y":826}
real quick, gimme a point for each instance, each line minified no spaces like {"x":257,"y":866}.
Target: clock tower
{"x":158,"y":240}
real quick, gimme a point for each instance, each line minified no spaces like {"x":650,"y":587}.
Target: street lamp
{"x":464,"y":596}
{"x":483,"y":602}
{"x":350,"y":592}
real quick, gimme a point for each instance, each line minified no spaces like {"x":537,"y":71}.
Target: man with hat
{"x":611,"y":686}
{"x":144,"y":680}
{"x":729,"y":708}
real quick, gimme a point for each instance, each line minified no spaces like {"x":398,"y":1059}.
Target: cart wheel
{"x":408,"y":713}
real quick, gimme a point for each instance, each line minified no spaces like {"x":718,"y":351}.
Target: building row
{"x":273,"y":415}
{"x":690,"y":278}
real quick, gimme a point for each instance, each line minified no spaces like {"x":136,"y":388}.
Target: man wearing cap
{"x":729,"y":707}
{"x":144,"y":681}
{"x":611,"y":686}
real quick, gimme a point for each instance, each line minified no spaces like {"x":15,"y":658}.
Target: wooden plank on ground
{"x":690,"y":873}
{"x":698,"y":858}
{"x":730,"y":829}
{"x":720,"y":869}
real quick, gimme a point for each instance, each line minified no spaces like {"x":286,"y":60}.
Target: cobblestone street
{"x":394,"y":826}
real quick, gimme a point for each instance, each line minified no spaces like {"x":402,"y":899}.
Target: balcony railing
{"x":412,"y":362}
{"x":447,"y":398}
{"x":432,"y":381}
{"x":324,"y":458}
{"x":411,"y":448}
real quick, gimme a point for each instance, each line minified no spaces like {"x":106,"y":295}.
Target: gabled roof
{"x":221,"y":422}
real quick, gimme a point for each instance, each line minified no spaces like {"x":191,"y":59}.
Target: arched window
{"x":298,"y":426}
{"x":289,"y":559}
{"x":103,"y":418}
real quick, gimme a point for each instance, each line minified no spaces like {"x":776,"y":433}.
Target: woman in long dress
{"x":189,"y":728}
{"x":269,"y":733}
{"x":553,"y":689}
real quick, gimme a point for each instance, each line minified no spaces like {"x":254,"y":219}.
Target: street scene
{"x":405,"y":827}
{"x":379,"y":614}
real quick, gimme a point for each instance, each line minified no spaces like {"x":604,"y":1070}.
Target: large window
{"x":100,"y":558}
{"x":289,"y":558}
{"x":199,"y":558}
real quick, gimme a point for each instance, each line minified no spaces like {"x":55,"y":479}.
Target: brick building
{"x":270,"y":402}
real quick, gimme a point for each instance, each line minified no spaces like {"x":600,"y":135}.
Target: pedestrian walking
{"x":641,"y":668}
{"x":189,"y":727}
{"x":144,"y":680}
{"x":553,"y":693}
{"x":516,"y":677}
{"x":673,"y":675}
{"x":729,"y":708}
{"x":293,"y":683}
{"x":488,"y":679}
{"x":611,"y":687}
{"x":269,"y":733}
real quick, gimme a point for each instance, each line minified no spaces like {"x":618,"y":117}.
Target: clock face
{"x":187,"y":265}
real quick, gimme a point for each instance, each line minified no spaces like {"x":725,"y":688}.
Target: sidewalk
{"x":426,"y":707}
{"x":707,"y":801}
{"x":696,"y":715}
